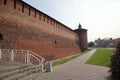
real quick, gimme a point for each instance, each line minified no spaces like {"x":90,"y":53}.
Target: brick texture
{"x":24,"y":27}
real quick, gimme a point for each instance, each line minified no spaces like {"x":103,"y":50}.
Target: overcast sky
{"x":100,"y":17}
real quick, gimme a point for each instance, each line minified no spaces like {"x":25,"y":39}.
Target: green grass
{"x":70,"y":58}
{"x":101,"y":57}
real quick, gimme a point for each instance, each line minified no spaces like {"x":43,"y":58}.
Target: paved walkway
{"x":76,"y":70}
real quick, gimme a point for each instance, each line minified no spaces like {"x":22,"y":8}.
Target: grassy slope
{"x":70,"y":58}
{"x":101,"y":57}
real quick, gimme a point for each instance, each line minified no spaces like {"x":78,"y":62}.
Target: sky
{"x":100,"y":17}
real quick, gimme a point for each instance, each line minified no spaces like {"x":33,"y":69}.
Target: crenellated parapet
{"x":25,"y":27}
{"x":24,"y":10}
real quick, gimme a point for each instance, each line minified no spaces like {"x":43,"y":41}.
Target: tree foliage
{"x":91,"y":44}
{"x":115,"y":63}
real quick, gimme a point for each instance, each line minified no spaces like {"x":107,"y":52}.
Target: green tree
{"x":115,"y":63}
{"x":91,"y":44}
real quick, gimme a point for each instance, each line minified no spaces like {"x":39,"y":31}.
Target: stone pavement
{"x":77,"y":70}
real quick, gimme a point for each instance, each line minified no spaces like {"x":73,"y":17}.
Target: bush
{"x":115,"y":63}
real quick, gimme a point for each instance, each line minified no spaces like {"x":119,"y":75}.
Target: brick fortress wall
{"x":24,"y":27}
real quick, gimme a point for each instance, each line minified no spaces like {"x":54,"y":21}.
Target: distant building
{"x":104,"y":43}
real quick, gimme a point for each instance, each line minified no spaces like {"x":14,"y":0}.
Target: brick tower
{"x":82,"y":34}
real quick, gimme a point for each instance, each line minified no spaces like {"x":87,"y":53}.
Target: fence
{"x":24,"y":56}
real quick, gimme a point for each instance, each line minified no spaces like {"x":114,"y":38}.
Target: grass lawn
{"x":70,"y":58}
{"x":101,"y":57}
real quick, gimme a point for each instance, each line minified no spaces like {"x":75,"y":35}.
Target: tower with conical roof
{"x":79,"y":26}
{"x":82,"y":34}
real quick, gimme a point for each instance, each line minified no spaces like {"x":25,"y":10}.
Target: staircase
{"x":20,"y":64}
{"x":17,"y":71}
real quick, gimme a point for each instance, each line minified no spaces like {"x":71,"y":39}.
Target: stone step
{"x":4,"y":75}
{"x":17,"y":72}
{"x":6,"y":66}
{"x":31,"y":76}
{"x":21,"y":75}
{"x":13,"y":68}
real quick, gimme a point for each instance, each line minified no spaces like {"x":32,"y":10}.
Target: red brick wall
{"x":24,"y":27}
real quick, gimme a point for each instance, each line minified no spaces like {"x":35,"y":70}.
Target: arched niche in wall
{"x":55,"y":42}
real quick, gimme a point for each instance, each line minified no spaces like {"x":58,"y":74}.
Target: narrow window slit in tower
{"x":29,"y":10}
{"x":35,"y":13}
{"x":14,"y":4}
{"x":1,"y":37}
{"x":23,"y":7}
{"x":5,"y":1}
